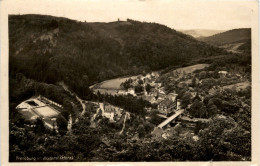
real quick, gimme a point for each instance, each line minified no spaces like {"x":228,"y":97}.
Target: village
{"x":170,"y":112}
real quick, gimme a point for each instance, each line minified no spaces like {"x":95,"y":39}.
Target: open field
{"x":112,"y":84}
{"x":241,"y":85}
{"x":104,"y":91}
{"x":232,"y":47}
{"x":190,"y":69}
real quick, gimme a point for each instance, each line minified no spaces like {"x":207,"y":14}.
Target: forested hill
{"x":51,"y":49}
{"x":239,"y":38}
{"x":228,"y":37}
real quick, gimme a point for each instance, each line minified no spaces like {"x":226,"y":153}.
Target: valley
{"x":127,"y":91}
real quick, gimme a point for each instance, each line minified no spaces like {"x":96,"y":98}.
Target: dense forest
{"x":239,"y":39}
{"x":50,"y":49}
{"x":228,"y":37}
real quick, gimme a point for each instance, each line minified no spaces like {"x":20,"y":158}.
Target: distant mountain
{"x":199,"y":33}
{"x":51,"y":49}
{"x":233,"y":40}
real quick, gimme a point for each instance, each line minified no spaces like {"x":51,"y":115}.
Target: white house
{"x":131,"y":91}
{"x":122,"y":92}
{"x":223,"y":73}
{"x":155,"y":74}
{"x":148,"y":75}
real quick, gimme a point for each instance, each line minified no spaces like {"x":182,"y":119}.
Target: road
{"x":79,"y":99}
{"x":171,"y":118}
{"x":127,"y":115}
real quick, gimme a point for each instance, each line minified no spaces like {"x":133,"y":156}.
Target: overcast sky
{"x":177,"y":14}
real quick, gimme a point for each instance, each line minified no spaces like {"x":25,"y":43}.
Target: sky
{"x":177,"y":14}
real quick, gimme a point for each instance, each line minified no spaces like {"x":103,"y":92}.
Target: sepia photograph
{"x":130,"y":81}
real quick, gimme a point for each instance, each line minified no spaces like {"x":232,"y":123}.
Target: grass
{"x":241,"y":85}
{"x":190,"y":69}
{"x":113,"y":83}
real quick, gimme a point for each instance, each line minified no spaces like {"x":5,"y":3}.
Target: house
{"x":193,"y":94}
{"x":155,"y":74}
{"x":178,"y":104}
{"x":148,"y":76}
{"x":222,"y":73}
{"x":158,"y":85}
{"x":161,"y":91}
{"x":167,"y":106}
{"x":238,"y":76}
{"x":111,"y":112}
{"x":160,"y":96}
{"x":152,"y":83}
{"x":135,"y":83}
{"x":121,"y":92}
{"x":110,"y":115}
{"x":147,"y":80}
{"x":131,"y":91}
{"x":172,"y":96}
{"x":165,"y":135}
{"x":197,"y":97}
{"x":151,"y":99}
{"x":153,"y":92}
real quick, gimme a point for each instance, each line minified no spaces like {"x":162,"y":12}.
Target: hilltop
{"x":51,"y":49}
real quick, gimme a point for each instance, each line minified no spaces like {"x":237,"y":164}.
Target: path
{"x":127,"y":115}
{"x":71,"y":93}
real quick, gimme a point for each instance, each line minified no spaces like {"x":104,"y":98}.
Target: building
{"x":111,"y":112}
{"x":167,"y":106}
{"x":148,"y":76}
{"x":40,"y":107}
{"x":122,"y":92}
{"x":153,"y":92}
{"x":131,"y":91}
{"x":172,"y":96}
{"x":151,"y":99}
{"x":223,"y":73}
{"x":161,"y":91}
{"x":155,"y":74}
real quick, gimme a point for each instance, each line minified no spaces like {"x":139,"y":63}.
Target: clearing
{"x":190,"y":69}
{"x":113,"y":83}
{"x":238,"y":86}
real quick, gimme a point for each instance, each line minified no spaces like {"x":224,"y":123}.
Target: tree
{"x":186,"y":100}
{"x":155,"y":119}
{"x":203,"y":112}
{"x":195,"y":109}
{"x":62,"y":125}
{"x":139,"y":89}
{"x":39,"y":126}
{"x":194,"y":82}
{"x":202,"y":75}
{"x":127,"y":84}
{"x":217,"y":102}
{"x":223,"y":140}
{"x":141,"y":130}
{"x":140,"y":82}
{"x":148,"y":88}
{"x":212,"y":109}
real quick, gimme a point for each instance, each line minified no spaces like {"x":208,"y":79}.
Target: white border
{"x":6,"y":9}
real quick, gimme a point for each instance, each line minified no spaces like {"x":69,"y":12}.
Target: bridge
{"x":171,"y":118}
